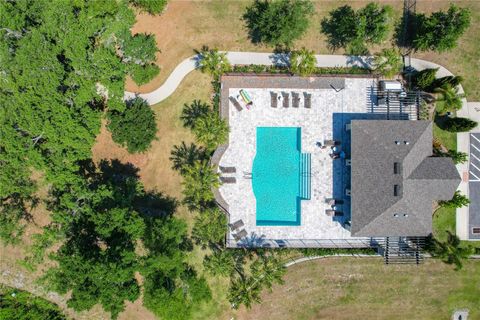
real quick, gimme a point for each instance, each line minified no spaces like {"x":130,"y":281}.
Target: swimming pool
{"x":280,"y":176}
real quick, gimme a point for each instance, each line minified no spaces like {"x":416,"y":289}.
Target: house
{"x":395,"y":179}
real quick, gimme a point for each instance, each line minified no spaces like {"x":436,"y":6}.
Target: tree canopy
{"x":213,"y":61}
{"x":441,"y":30}
{"x":21,"y":305}
{"x":278,"y":22}
{"x":61,"y":68}
{"x":150,"y":6}
{"x":459,"y":124}
{"x":135,"y":127}
{"x":353,"y":30}
{"x":103,"y":220}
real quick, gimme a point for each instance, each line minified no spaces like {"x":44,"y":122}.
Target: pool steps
{"x":305,"y":175}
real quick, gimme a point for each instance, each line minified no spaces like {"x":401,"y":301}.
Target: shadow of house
{"x":341,"y":172}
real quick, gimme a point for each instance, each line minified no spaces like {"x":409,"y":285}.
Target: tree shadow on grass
{"x":125,"y":178}
{"x":441,"y":120}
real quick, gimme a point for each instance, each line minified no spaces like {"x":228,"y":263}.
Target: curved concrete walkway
{"x":323,"y":61}
{"x":260,"y":58}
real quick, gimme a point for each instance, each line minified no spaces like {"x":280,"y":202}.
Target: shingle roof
{"x":420,"y":179}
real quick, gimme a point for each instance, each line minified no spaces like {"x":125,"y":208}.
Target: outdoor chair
{"x":295,"y":99}
{"x":286,"y":100}
{"x":240,"y":235}
{"x":235,"y":103}
{"x":307,"y":102}
{"x":227,"y":169}
{"x":228,"y":179}
{"x":273,"y":99}
{"x":333,"y":201}
{"x":236,"y":225}
{"x":333,"y":213}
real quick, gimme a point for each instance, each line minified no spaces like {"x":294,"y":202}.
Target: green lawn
{"x":443,"y":220}
{"x":366,"y":288}
{"x":448,"y":139}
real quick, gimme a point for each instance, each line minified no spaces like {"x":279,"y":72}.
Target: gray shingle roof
{"x":420,"y":179}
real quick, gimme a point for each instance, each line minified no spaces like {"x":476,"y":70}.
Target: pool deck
{"x":331,"y":109}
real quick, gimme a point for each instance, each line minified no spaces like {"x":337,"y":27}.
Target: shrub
{"x":424,"y":79}
{"x":459,"y":124}
{"x":303,"y":62}
{"x":452,"y":81}
{"x":279,"y":22}
{"x":143,"y":74}
{"x":135,"y":128}
{"x":150,"y":6}
{"x":457,"y":157}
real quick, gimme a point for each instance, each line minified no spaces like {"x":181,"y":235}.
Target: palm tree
{"x":186,"y":155}
{"x":303,"y":62}
{"x":244,"y":290}
{"x":458,"y":201}
{"x":451,"y":251}
{"x":191,"y":112}
{"x":199,"y":179}
{"x":449,"y":99}
{"x":211,"y":131}
{"x":388,"y":62}
{"x":268,"y":270}
{"x":214,"y":62}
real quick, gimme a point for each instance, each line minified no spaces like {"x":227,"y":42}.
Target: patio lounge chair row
{"x":307,"y":99}
{"x":227,"y":170}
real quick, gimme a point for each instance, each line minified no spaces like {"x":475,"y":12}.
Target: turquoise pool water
{"x":278,"y":176}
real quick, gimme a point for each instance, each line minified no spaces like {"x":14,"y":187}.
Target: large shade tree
{"x":441,"y":30}
{"x":61,"y":66}
{"x":135,"y":127}
{"x":278,"y":22}
{"x":354,"y":30}
{"x":113,"y":228}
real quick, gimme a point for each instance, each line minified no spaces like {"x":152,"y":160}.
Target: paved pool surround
{"x":349,"y":95}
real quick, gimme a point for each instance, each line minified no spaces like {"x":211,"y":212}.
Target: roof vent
{"x":396,"y":190}
{"x":406,"y":142}
{"x":397,"y":142}
{"x":405,"y":215}
{"x":395,"y":215}
{"x":396,"y":168}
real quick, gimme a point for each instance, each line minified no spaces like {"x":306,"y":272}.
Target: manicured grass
{"x":448,"y":139}
{"x":365,"y":288}
{"x":443,"y":220}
